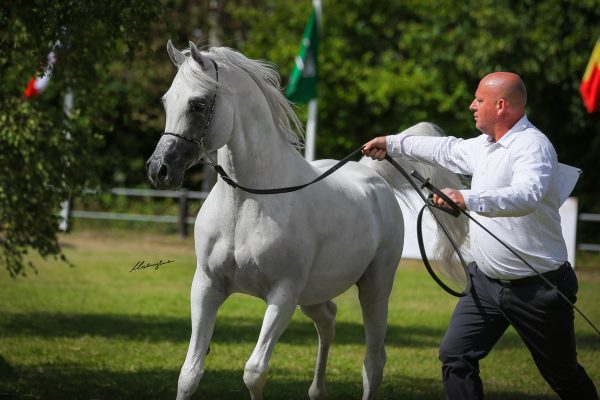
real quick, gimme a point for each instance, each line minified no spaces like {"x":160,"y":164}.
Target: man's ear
{"x":501,"y":105}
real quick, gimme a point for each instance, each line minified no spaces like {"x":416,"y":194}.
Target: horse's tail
{"x":439,"y":177}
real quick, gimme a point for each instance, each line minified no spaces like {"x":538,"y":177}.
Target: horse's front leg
{"x":206,"y":298}
{"x":280,"y":309}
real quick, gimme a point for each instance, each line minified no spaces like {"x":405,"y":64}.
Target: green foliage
{"x":47,"y":156}
{"x":130,"y":93}
{"x":386,"y":65}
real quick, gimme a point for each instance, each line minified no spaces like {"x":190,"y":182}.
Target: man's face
{"x":484,"y":108}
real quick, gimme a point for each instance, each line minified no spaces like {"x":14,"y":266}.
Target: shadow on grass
{"x":227,"y":330}
{"x":66,"y":382}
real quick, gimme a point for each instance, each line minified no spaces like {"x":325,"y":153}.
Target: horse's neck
{"x":258,"y":156}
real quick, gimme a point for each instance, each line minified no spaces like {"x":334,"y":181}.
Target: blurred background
{"x":80,"y":113}
{"x":383,"y":66}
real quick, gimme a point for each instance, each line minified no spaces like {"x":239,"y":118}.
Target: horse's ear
{"x":176,"y":56}
{"x":198,"y":57}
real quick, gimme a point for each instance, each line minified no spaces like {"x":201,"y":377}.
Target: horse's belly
{"x":334,"y":273}
{"x":319,"y":290}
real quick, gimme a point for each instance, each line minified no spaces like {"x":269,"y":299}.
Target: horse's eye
{"x":196,"y":106}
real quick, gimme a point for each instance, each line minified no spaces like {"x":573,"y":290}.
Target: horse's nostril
{"x":147,"y":165}
{"x":162,"y":171}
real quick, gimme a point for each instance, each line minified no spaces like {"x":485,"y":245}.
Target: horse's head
{"x":196,"y":120}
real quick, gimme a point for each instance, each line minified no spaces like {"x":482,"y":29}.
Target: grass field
{"x":98,"y":331}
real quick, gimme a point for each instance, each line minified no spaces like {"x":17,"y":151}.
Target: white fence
{"x":589,"y":218}
{"x":183,"y":220}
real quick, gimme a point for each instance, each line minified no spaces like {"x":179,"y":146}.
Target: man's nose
{"x":473,"y":106}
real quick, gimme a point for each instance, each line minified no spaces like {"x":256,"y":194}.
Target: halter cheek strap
{"x":206,"y":125}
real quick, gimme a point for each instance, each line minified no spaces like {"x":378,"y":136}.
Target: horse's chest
{"x":252,"y":247}
{"x":257,"y":241}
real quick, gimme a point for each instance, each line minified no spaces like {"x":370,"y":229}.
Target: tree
{"x":47,"y":156}
{"x":386,"y":65}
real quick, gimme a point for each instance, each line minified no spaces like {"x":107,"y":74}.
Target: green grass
{"x":99,"y":331}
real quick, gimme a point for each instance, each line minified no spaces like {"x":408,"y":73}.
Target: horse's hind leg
{"x":374,"y":289}
{"x":205,"y":301}
{"x":323,"y":315}
{"x":281,"y":304}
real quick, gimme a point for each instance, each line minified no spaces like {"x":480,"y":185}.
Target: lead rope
{"x":287,"y":189}
{"x":454,"y":210}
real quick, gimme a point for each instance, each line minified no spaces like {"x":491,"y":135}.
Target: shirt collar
{"x":511,"y":135}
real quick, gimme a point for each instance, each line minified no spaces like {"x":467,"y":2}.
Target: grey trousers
{"x":542,"y":319}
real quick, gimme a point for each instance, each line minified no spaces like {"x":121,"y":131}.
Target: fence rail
{"x":183,"y":220}
{"x":587,"y":217}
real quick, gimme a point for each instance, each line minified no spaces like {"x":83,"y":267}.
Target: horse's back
{"x":364,"y":185}
{"x":363,"y":179}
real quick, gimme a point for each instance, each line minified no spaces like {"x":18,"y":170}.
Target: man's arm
{"x":423,"y":144}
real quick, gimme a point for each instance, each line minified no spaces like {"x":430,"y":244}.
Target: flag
{"x":36,"y":86}
{"x":302,"y":86}
{"x":590,"y":84}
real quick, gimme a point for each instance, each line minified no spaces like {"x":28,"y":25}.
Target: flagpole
{"x":311,"y":131}
{"x":209,"y":174}
{"x":311,"y":124}
{"x":302,"y":85}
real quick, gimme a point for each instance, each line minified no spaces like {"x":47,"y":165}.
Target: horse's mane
{"x":263,"y":73}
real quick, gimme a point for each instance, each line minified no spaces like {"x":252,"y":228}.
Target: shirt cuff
{"x":393,"y":144}
{"x":472,"y":200}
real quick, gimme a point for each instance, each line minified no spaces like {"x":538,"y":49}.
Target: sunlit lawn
{"x":99,"y":331}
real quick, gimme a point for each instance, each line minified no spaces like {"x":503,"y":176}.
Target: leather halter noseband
{"x":210,"y":116}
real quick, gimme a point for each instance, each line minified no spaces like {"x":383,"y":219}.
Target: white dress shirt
{"x":514,"y":191}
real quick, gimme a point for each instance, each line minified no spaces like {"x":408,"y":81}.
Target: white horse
{"x":302,"y":248}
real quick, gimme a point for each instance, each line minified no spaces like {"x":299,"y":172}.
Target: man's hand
{"x":376,"y":148}
{"x":454,"y":195}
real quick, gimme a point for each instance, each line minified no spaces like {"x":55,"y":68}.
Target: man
{"x":515,"y":193}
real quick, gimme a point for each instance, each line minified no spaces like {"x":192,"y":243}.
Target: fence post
{"x":183,"y":213}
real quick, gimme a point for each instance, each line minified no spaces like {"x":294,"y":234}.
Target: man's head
{"x":499,"y":103}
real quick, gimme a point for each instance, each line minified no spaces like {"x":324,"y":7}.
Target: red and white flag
{"x":36,"y":86}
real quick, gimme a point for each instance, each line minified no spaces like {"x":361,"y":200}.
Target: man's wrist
{"x":472,"y":201}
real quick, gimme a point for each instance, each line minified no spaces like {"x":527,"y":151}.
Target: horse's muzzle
{"x":162,"y":175}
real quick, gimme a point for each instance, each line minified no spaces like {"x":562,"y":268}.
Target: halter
{"x":210,"y":116}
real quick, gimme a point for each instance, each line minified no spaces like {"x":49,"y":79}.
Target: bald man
{"x":515,"y":194}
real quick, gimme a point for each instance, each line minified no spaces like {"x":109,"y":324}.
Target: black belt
{"x":552,"y":276}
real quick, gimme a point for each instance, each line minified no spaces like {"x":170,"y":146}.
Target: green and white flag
{"x":302,"y":86}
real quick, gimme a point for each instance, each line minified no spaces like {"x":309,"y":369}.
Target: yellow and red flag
{"x":590,"y":84}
